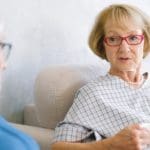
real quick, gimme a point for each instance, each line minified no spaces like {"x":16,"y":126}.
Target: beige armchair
{"x":54,"y":92}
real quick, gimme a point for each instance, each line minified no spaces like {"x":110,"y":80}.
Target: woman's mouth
{"x":124,"y":59}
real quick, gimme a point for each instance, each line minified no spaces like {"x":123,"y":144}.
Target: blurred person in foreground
{"x":108,"y":113}
{"x":10,"y":137}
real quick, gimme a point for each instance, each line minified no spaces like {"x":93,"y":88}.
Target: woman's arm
{"x":98,"y":145}
{"x":132,"y":138}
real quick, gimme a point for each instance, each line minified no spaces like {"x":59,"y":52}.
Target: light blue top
{"x":13,"y":139}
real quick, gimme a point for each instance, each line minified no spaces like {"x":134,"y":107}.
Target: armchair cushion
{"x":54,"y":92}
{"x":41,"y":135}
{"x":55,"y":88}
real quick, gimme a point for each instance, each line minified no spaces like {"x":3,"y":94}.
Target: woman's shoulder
{"x":96,"y":83}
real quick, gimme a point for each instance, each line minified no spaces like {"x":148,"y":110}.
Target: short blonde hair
{"x":119,"y":14}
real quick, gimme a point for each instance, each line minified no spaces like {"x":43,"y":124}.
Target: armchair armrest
{"x":41,"y":135}
{"x":30,"y":116}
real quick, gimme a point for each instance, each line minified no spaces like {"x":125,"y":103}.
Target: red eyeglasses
{"x":117,"y":40}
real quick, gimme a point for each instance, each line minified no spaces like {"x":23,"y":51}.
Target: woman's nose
{"x":124,"y":46}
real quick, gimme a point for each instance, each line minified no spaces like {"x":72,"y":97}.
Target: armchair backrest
{"x":55,"y":88}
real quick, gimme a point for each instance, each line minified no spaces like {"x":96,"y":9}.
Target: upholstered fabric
{"x":54,"y":92}
{"x":30,"y":116}
{"x":55,"y":88}
{"x":41,"y":135}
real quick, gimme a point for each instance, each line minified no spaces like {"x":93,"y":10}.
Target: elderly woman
{"x":10,"y":137}
{"x":108,"y":113}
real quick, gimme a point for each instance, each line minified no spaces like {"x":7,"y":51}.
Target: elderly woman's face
{"x":124,"y":54}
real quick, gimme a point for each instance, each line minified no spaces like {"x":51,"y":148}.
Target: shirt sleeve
{"x":75,"y":127}
{"x":73,"y":133}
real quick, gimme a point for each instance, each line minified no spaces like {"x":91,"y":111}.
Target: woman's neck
{"x":128,"y":76}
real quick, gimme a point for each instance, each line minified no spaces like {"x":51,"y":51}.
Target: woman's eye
{"x":133,"y":38}
{"x":112,"y":39}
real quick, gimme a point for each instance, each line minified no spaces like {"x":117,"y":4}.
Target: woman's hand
{"x":133,"y":137}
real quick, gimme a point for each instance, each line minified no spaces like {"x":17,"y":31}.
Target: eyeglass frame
{"x":123,"y":38}
{"x":3,"y":44}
